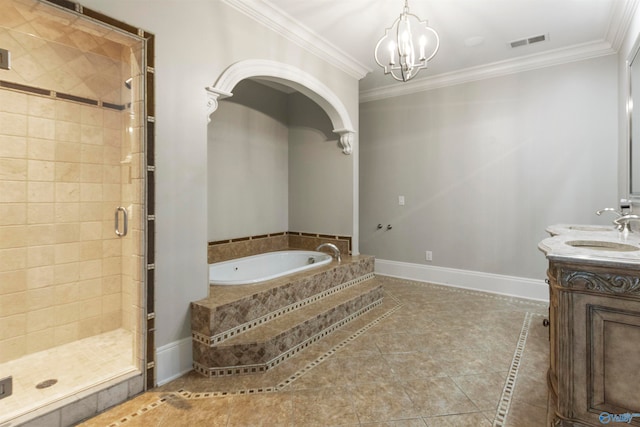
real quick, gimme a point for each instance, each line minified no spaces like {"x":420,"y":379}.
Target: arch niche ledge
{"x":289,"y":76}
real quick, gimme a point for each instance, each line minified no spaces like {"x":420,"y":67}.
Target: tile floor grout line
{"x":510,"y":384}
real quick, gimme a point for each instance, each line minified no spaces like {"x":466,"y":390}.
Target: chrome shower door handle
{"x":125,"y":225}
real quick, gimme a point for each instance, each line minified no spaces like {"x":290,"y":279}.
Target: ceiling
{"x":353,"y":27}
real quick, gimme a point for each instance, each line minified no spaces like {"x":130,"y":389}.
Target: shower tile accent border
{"x":224,"y":250}
{"x":149,"y":205}
{"x":47,"y":93}
{"x":66,"y":4}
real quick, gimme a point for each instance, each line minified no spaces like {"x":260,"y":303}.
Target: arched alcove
{"x":320,"y":195}
{"x":289,"y":76}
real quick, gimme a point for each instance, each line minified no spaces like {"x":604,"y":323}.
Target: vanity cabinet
{"x":594,"y":321}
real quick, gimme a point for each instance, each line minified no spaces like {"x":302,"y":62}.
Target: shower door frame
{"x":148,"y":39}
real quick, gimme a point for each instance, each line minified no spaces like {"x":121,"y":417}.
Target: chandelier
{"x":407,"y":46}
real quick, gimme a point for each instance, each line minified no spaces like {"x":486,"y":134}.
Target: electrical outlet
{"x":429,"y":256}
{"x":401,"y":200}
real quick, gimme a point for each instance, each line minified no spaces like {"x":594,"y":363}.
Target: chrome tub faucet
{"x":334,"y":248}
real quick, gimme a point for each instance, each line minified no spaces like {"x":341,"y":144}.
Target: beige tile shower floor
{"x":78,"y":366}
{"x":429,"y":356}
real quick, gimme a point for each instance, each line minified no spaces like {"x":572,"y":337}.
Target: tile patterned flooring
{"x":428,"y":356}
{"x":77,"y":367}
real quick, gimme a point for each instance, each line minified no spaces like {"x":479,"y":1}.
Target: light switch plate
{"x":5,"y":59}
{"x":6,"y":387}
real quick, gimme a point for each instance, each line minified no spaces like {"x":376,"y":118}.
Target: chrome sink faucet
{"x":623,"y":222}
{"x":624,"y":216}
{"x":615,"y":211}
{"x":334,"y":248}
{"x":619,"y":215}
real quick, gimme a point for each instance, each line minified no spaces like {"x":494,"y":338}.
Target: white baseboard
{"x":173,"y":360}
{"x":487,"y":282}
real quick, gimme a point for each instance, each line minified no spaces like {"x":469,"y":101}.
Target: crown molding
{"x":621,"y":17}
{"x":496,"y":69}
{"x":282,"y":23}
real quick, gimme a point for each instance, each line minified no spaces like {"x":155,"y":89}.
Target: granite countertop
{"x":579,"y":243}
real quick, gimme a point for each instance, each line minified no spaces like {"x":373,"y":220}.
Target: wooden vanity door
{"x":606,"y":369}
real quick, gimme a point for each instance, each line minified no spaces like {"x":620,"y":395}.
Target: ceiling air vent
{"x":529,"y":40}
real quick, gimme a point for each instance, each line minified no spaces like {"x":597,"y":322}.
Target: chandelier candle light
{"x":396,"y":51}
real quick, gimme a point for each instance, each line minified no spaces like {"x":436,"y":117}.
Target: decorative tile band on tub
{"x":259,"y":368}
{"x":217,"y":339}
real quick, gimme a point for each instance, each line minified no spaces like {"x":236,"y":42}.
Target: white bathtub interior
{"x":259,"y":268}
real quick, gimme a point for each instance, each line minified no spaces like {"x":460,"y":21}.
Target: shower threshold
{"x":71,"y":372}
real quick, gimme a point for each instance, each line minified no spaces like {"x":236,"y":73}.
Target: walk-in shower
{"x":73,"y":210}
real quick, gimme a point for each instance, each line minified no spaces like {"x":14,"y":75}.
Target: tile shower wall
{"x":64,"y":168}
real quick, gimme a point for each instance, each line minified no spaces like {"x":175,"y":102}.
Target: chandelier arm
{"x":437,"y":44}
{"x":401,"y":62}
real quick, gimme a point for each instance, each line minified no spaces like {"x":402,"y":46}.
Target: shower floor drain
{"x":47,"y":383}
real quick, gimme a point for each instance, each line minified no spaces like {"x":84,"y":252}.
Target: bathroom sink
{"x":590,"y":228}
{"x":601,"y":245}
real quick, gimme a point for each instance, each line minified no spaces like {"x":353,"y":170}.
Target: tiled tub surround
{"x":224,"y":250}
{"x":251,"y":328}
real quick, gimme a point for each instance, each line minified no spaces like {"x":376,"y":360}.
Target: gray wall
{"x":248,"y":164}
{"x":486,"y":166}
{"x":274,"y":165}
{"x":320,"y":175}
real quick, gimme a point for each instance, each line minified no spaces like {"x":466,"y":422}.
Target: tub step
{"x":231,"y":310}
{"x":264,"y":346}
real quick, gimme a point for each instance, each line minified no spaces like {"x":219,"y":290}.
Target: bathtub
{"x":267,"y":266}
